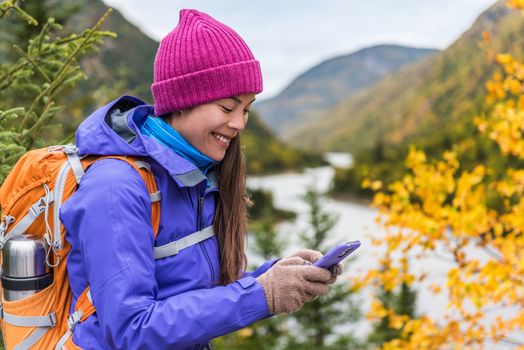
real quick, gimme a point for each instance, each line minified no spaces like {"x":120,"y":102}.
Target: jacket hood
{"x":107,"y":132}
{"x":114,"y":129}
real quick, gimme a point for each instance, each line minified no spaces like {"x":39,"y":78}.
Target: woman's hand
{"x":311,"y":256}
{"x":290,"y":283}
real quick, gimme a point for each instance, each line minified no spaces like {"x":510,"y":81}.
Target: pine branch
{"x":13,"y":112}
{"x":7,"y":78}
{"x":42,"y":120}
{"x":9,"y":5}
{"x":68,"y":139}
{"x":33,"y":63}
{"x":41,"y":36}
{"x":90,"y":34}
{"x":68,"y":61}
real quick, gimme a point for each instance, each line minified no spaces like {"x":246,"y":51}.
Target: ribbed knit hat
{"x":200,"y":61}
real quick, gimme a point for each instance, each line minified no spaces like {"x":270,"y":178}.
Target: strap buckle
{"x":52,"y":318}
{"x":36,"y":209}
{"x":70,"y":149}
{"x":73,"y":320}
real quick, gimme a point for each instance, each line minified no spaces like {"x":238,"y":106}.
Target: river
{"x":356,"y":222}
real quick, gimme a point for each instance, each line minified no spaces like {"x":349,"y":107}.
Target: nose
{"x":238,"y":121}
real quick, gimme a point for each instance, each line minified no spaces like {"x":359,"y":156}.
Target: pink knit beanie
{"x":200,"y":61}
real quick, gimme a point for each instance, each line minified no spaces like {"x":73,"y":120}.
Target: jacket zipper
{"x":200,"y":214}
{"x":200,"y":226}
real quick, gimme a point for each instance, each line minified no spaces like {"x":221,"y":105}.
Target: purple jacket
{"x":143,"y":303}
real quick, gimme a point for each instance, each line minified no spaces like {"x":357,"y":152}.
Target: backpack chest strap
{"x":42,"y":324}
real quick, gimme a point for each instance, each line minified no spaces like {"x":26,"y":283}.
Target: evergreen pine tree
{"x":324,"y":323}
{"x":44,"y":67}
{"x":37,"y":64}
{"x":270,"y":333}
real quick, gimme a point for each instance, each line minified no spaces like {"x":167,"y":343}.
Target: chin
{"x":217,"y":156}
{"x":218,"y":159}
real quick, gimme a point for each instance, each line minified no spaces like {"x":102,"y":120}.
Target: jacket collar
{"x":114,"y":129}
{"x":182,"y":170}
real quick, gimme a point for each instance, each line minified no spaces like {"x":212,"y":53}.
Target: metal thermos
{"x":24,"y":268}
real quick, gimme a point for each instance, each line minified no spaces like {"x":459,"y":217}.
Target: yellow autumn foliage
{"x":440,"y":208}
{"x":517,"y":4}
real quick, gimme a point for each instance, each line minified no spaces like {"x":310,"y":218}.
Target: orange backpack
{"x":30,"y":198}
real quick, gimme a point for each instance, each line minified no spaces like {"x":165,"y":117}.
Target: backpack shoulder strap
{"x":84,"y":306}
{"x":144,"y":170}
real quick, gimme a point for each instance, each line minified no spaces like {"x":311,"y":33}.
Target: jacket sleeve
{"x":110,"y":214}
{"x":261,"y":269}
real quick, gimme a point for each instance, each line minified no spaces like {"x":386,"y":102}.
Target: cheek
{"x":202,"y":139}
{"x":198,"y":133}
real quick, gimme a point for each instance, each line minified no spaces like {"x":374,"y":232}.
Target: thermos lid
{"x":23,"y":257}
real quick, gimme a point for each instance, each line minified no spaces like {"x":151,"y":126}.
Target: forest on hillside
{"x":431,"y":104}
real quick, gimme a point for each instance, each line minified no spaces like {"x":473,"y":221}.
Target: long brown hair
{"x":231,"y":214}
{"x":230,"y":222}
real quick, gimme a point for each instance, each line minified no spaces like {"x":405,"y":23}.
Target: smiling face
{"x":210,"y":127}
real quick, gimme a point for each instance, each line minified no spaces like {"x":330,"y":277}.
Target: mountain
{"x":124,"y":65}
{"x":266,"y":153}
{"x":430,"y":103}
{"x":328,"y":83}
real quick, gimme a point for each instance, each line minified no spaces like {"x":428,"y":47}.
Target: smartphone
{"x":337,"y":254}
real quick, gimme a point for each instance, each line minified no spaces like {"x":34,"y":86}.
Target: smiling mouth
{"x":222,"y":138}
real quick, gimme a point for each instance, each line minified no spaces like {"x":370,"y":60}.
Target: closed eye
{"x":225,"y":109}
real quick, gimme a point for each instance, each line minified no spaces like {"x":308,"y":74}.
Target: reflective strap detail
{"x":30,"y":321}
{"x":42,"y":322}
{"x":72,"y":156}
{"x":88,"y":294}
{"x":35,"y":336}
{"x":191,"y":178}
{"x":143,"y":165}
{"x":155,"y":197}
{"x":72,"y":321}
{"x":174,"y":247}
{"x":34,"y":212}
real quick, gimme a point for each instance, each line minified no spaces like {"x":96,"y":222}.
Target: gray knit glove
{"x":290,"y":283}
{"x":313,"y":255}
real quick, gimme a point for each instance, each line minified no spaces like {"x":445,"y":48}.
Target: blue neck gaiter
{"x":169,"y":137}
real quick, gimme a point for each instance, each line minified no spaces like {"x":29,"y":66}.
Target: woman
{"x":205,"y":80}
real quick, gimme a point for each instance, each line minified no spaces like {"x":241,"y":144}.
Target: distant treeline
{"x":432,"y":105}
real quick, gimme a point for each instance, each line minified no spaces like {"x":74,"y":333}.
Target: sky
{"x":290,"y":36}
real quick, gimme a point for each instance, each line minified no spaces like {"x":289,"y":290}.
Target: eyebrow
{"x":239,"y":101}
